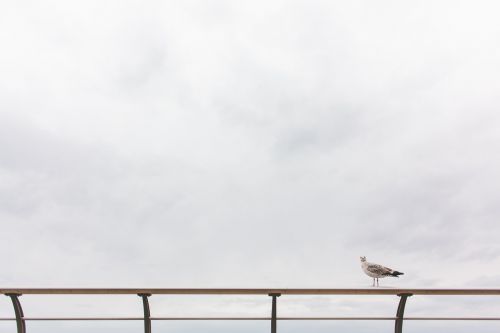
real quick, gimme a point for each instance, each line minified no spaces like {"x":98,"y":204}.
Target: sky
{"x":250,"y":144}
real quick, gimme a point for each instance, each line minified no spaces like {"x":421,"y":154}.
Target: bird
{"x":376,"y":271}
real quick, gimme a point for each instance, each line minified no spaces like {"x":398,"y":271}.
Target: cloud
{"x":264,"y":144}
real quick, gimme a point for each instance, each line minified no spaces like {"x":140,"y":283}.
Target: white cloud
{"x":248,"y":144}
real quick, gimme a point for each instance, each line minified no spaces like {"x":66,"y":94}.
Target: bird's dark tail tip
{"x":396,"y":273}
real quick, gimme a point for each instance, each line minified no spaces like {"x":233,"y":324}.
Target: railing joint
{"x":274,"y":312}
{"x":18,"y":310}
{"x":147,"y":312}
{"x":398,"y":328}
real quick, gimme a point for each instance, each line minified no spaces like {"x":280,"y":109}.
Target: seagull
{"x":377,"y":271}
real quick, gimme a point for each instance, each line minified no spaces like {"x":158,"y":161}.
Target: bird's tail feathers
{"x":396,"y":273}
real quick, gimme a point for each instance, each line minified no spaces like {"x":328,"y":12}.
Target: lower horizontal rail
{"x":243,"y":318}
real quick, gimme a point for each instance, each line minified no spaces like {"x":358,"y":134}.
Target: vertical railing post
{"x":274,"y":313}
{"x":147,"y":313}
{"x":400,"y":313}
{"x":18,"y":310}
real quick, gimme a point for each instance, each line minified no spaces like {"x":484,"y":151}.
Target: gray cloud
{"x":264,"y":144}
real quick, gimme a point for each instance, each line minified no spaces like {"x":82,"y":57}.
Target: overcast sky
{"x":249,"y":144}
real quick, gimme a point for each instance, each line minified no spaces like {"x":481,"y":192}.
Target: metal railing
{"x":144,"y":294}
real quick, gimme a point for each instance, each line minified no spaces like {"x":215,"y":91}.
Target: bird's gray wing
{"x":378,"y":269}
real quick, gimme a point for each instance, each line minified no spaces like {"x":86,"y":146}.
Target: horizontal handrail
{"x":253,"y":291}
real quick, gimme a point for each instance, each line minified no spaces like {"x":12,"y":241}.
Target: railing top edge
{"x":247,"y":291}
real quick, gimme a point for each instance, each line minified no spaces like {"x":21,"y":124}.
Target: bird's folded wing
{"x":378,"y":269}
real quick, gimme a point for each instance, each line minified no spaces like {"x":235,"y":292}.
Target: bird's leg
{"x":373,"y":282}
{"x":377,"y":282}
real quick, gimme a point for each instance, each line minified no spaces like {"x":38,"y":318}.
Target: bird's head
{"x":363,"y":259}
